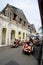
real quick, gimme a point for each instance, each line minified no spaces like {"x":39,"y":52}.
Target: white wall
{"x":10,"y":27}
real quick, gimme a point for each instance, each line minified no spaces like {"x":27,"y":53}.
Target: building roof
{"x":33,"y":27}
{"x":18,"y":12}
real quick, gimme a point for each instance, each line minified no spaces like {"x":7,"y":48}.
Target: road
{"x":14,"y":56}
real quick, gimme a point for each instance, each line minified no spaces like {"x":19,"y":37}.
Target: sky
{"x":30,"y":9}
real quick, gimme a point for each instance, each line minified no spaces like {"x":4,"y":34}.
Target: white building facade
{"x":12,"y":29}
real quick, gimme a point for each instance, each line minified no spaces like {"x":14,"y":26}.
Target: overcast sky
{"x":29,"y":7}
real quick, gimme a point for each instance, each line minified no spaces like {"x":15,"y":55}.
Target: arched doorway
{"x":26,"y":36}
{"x":12,"y":34}
{"x":19,"y":35}
{"x":23,"y":35}
{"x":3,"y":36}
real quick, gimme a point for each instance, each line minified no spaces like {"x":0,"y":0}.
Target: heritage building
{"x":13,"y":24}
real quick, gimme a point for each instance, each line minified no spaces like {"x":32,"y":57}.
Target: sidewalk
{"x":42,"y":57}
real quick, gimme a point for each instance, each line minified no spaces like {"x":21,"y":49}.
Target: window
{"x":19,"y":33}
{"x":20,"y":20}
{"x":23,"y":35}
{"x":7,"y":12}
{"x":14,"y":17}
{"x":28,"y":26}
{"x":24,"y":23}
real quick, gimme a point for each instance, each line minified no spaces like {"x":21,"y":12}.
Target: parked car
{"x":28,"y":47}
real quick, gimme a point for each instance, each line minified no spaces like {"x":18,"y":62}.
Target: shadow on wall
{"x":12,"y":63}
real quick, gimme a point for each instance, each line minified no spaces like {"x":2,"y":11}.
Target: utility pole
{"x":40,"y":3}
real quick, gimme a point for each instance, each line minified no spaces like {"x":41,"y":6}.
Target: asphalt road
{"x":14,"y":56}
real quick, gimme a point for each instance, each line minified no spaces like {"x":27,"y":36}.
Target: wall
{"x":9,"y":27}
